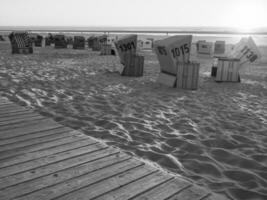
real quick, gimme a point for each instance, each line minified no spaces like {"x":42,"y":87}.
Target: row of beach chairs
{"x":176,"y":67}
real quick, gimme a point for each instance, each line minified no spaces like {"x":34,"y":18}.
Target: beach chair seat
{"x":187,"y":75}
{"x":20,"y":43}
{"x":133,"y":65}
{"x":227,"y":70}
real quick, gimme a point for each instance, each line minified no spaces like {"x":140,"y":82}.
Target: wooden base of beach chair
{"x":228,"y":70}
{"x":133,"y":65}
{"x":28,"y":50}
{"x":167,"y":79}
{"x":105,"y":49}
{"x":96,"y":47}
{"x":57,"y":46}
{"x":187,"y":75}
{"x":47,"y":42}
{"x":78,"y":46}
{"x":38,"y":44}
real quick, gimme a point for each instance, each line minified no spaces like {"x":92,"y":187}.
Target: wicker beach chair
{"x":20,"y":42}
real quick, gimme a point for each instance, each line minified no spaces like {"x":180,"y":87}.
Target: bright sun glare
{"x":246,"y":16}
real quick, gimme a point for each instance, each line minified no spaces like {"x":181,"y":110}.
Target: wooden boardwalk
{"x":41,"y":159}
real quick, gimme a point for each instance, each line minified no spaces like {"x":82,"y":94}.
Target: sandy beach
{"x":215,"y":136}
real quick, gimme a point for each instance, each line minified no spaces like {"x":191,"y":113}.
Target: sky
{"x":241,"y":14}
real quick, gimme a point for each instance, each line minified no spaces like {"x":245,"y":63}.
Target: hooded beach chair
{"x":49,"y":39}
{"x":90,"y":41}
{"x":60,"y":41}
{"x":38,"y":41}
{"x":133,"y":64}
{"x":204,"y":47}
{"x":226,"y":69}
{"x":176,"y":69}
{"x":79,"y":42}
{"x":20,"y":42}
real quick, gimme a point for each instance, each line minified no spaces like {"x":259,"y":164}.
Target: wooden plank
{"x":11,"y":107}
{"x":18,"y":145}
{"x":32,"y":135}
{"x":9,"y":114}
{"x":191,"y":193}
{"x":102,"y":186}
{"x":165,"y":190}
{"x":27,"y":128}
{"x":86,"y":156}
{"x":37,"y":147}
{"x":17,"y":117}
{"x":3,"y":104}
{"x":17,"y":121}
{"x":67,"y":186}
{"x":133,"y":189}
{"x":22,"y":124}
{"x":15,"y":111}
{"x":214,"y":197}
{"x":69,"y":149}
{"x":25,"y":166}
{"x":64,"y":175}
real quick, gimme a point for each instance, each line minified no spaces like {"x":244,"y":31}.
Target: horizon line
{"x":135,"y":29}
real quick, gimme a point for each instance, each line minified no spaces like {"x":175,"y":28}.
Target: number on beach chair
{"x":171,"y":50}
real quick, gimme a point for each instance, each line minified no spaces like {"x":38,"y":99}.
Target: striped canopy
{"x":21,"y":39}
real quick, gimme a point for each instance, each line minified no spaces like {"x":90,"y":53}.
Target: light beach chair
{"x":176,"y":70}
{"x":226,"y":68}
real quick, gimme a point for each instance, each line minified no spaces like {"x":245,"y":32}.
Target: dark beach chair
{"x":96,"y":44}
{"x":90,"y":41}
{"x":133,"y":65}
{"x":2,"y":38}
{"x":38,"y":41}
{"x":60,"y":41}
{"x":79,"y":42}
{"x":20,"y":43}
